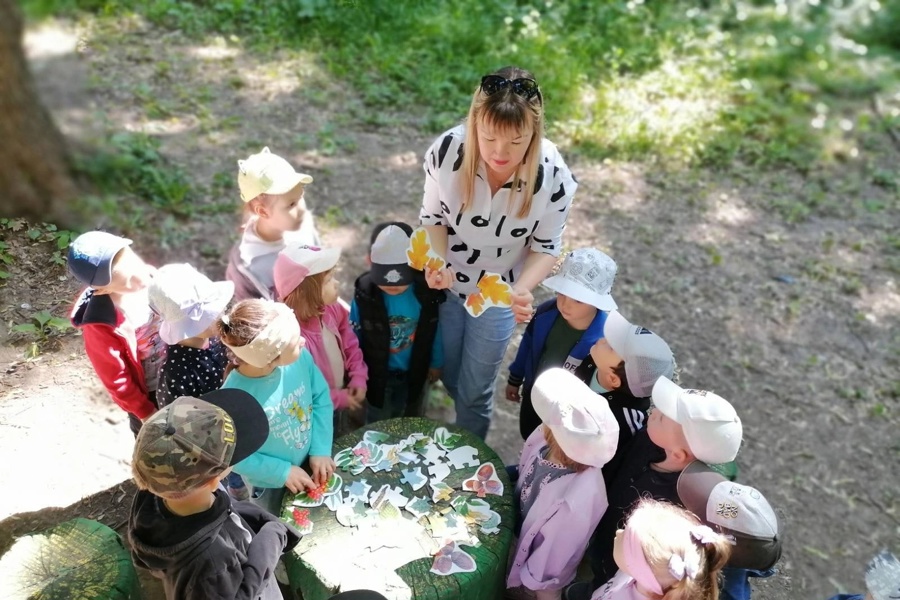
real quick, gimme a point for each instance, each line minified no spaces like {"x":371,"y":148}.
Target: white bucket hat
{"x":584,"y":427}
{"x":586,"y":275}
{"x":186,"y":301}
{"x":711,"y":426}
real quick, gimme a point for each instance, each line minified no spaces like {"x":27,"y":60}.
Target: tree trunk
{"x":35,"y":171}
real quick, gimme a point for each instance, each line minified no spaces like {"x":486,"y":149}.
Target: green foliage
{"x":40,"y":329}
{"x":131,"y":164}
{"x":677,"y":82}
{"x":38,"y":233}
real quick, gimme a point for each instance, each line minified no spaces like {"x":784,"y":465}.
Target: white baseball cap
{"x":586,"y":275}
{"x":267,"y":173}
{"x":186,"y":301}
{"x":584,"y":428}
{"x":647,"y":356}
{"x":388,"y":256}
{"x":711,"y":426}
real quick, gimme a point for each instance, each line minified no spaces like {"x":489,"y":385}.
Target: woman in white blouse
{"x":498,"y":205}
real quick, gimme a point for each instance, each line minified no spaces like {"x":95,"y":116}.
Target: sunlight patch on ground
{"x":50,"y":39}
{"x":880,"y":303}
{"x":219,"y":50}
{"x":730,"y":209}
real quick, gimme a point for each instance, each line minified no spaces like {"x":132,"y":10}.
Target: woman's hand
{"x":440,"y":279}
{"x":298,"y":480}
{"x":322,"y":467}
{"x":521,"y":304}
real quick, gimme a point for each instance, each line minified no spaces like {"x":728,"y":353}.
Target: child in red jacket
{"x":121,"y":333}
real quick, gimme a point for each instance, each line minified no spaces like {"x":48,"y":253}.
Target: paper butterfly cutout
{"x":484,"y":482}
{"x":492,"y":291}
{"x":451,"y":559}
{"x":421,"y":252}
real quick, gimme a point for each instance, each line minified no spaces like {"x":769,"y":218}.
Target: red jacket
{"x":111,"y":346}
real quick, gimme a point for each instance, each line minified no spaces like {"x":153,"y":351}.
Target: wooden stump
{"x":486,"y":583}
{"x":78,"y":559}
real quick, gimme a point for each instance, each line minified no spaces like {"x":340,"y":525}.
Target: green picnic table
{"x":487,"y":582}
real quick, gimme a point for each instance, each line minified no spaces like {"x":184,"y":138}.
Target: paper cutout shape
{"x":385,"y":465}
{"x":446,"y":440}
{"x":484,"y":482}
{"x":492,"y":524}
{"x":452,"y":559}
{"x":464,"y":456}
{"x":369,"y":454}
{"x":418,"y":506}
{"x":316,"y":496}
{"x":438,"y":525}
{"x":388,"y":511}
{"x":348,"y":461}
{"x":433,"y":454}
{"x":358,"y":490}
{"x":492,"y":291}
{"x":300,"y":517}
{"x":334,"y":502}
{"x":415,"y":478}
{"x":375,"y":437}
{"x":387,"y":494}
{"x":439,"y":471}
{"x":421,"y":254}
{"x":440,"y":491}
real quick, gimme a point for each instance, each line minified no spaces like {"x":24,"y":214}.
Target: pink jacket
{"x":559,"y":524}
{"x":336,"y":319}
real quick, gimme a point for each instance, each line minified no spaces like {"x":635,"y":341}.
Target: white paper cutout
{"x":452,"y":559}
{"x":414,"y":478}
{"x":485,"y":481}
{"x":439,"y":472}
{"x":446,"y":440}
{"x":464,"y":456}
{"x":418,"y":506}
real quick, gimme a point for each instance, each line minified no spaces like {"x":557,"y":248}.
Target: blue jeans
{"x":474,"y":348}
{"x":396,"y":395}
{"x":736,"y":582}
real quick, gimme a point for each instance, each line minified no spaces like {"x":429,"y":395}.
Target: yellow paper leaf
{"x":475,"y":304}
{"x":435,"y":262}
{"x":419,"y":245}
{"x":495,"y":289}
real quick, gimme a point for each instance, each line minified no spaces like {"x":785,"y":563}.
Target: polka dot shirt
{"x":187,"y":371}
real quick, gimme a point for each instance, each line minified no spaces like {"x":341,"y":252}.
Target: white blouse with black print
{"x":490,"y":237}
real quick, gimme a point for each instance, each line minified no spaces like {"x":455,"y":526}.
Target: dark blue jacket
{"x":523,"y":370}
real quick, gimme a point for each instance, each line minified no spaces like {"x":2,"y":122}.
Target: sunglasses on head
{"x":523,"y":86}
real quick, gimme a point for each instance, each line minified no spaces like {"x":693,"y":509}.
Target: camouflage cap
{"x":191,"y":441}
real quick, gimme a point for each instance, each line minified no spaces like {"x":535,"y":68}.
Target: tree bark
{"x":35,"y":169}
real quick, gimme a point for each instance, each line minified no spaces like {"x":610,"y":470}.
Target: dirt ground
{"x":796,"y":324}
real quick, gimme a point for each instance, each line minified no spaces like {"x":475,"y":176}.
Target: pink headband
{"x":636,"y":563}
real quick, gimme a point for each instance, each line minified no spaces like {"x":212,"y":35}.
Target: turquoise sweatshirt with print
{"x":298,"y":404}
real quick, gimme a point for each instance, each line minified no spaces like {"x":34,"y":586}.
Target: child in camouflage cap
{"x":183,"y":526}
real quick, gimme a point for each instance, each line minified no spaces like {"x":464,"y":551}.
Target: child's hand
{"x":298,"y":480}
{"x":521,"y":305}
{"x":433,"y":375}
{"x":355,"y":396}
{"x":440,"y":279}
{"x":512,"y":393}
{"x":322,"y":468}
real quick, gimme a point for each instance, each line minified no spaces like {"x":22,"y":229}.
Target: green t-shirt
{"x":560,"y":341}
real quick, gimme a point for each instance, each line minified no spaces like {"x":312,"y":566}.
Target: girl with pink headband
{"x":665,"y":553}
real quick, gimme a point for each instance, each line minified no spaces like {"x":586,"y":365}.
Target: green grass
{"x":766,"y":83}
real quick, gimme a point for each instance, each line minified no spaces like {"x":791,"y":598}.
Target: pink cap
{"x":294,"y":264}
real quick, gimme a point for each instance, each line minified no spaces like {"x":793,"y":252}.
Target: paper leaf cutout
{"x":414,"y":478}
{"x":441,"y":491}
{"x":445,"y":439}
{"x":484,"y":482}
{"x":418,"y":507}
{"x":334,"y":502}
{"x":375,"y":437}
{"x":464,"y":456}
{"x":495,"y":290}
{"x":421,"y":252}
{"x":492,"y":291}
{"x":451,"y":559}
{"x":358,"y":490}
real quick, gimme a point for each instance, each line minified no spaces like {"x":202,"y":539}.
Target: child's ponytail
{"x":241,"y":324}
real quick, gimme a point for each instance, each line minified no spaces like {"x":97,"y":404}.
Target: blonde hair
{"x":664,"y":531}
{"x":241,"y":324}
{"x":557,"y":451}
{"x":307,"y":299}
{"x":505,"y":110}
